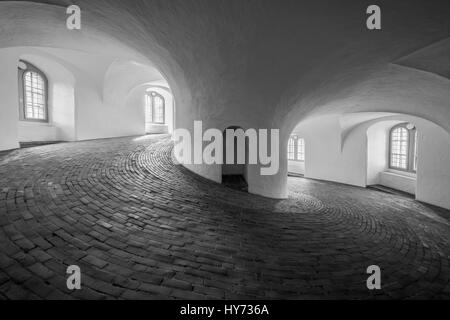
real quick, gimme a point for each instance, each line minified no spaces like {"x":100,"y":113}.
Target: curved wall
{"x":257,"y":64}
{"x":90,"y":75}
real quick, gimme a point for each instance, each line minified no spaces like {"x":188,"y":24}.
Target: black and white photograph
{"x":224,"y":154}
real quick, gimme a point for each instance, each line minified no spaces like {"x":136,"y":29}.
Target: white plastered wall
{"x":61,"y":101}
{"x":90,"y":74}
{"x":377,"y":150}
{"x":9,"y":102}
{"x":323,"y":155}
{"x":347,"y":161}
{"x":79,"y":106}
{"x":61,"y":125}
{"x":297,"y":167}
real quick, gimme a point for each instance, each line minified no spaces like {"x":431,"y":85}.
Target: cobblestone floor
{"x":141,"y":228}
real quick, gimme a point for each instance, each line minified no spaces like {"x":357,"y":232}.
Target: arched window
{"x":291,"y":149}
{"x":403,"y":148}
{"x":154,"y":108}
{"x":33,"y":93}
{"x":296,"y":148}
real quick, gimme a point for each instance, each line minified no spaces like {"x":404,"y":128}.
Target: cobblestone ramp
{"x":140,"y":227}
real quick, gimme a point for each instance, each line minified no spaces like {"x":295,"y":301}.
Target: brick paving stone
{"x":141,"y":227}
{"x":18,"y":274}
{"x":177,"y":284}
{"x":41,"y":271}
{"x":39,"y":287}
{"x":95,"y":261}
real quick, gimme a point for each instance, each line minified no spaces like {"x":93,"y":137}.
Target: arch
{"x":122,"y":76}
{"x":317,"y":81}
{"x":97,"y":61}
{"x":363,"y":158}
{"x":135,"y":100}
{"x":387,"y":89}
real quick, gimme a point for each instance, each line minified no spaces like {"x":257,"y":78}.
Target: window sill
{"x":403,"y":174}
{"x":35,"y":123}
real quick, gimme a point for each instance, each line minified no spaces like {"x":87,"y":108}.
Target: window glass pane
{"x":291,"y":149}
{"x":159,"y":109}
{"x":399,"y":148}
{"x":154,"y":108}
{"x":34,"y":96}
{"x":301,"y":149}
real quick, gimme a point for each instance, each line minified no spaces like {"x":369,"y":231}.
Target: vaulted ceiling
{"x":263,"y":62}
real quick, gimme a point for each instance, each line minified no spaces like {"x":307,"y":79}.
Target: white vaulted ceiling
{"x":261,"y":63}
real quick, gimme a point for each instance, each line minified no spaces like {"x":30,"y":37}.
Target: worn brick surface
{"x":142,"y":228}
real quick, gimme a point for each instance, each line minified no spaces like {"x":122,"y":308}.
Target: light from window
{"x":158,"y":109}
{"x":34,"y":94}
{"x":291,"y":149}
{"x":300,"y":149}
{"x":399,"y":148}
{"x":154,"y":108}
{"x":403,"y":148}
{"x":296,"y":149}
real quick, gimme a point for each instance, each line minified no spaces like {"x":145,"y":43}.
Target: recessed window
{"x":296,"y":148}
{"x":33,"y":93}
{"x":291,"y":149}
{"x":403,"y":148}
{"x":300,"y":149}
{"x":154,"y":108}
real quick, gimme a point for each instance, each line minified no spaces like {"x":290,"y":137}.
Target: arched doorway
{"x":234,"y":175}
